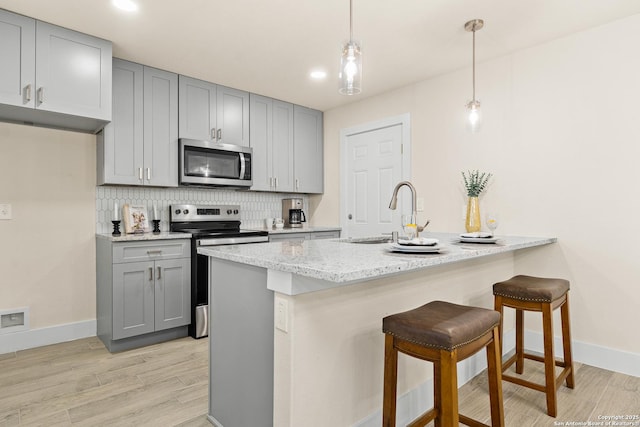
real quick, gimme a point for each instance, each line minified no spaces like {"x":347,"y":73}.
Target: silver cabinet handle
{"x":159,"y":273}
{"x":219,"y":134}
{"x":275,"y":180}
{"x":270,"y":181}
{"x":140,"y":174}
{"x":213,"y":133}
{"x":27,"y":93}
{"x":150,"y":273}
{"x":148,"y":174}
{"x":156,"y":252}
{"x":40,"y":95}
{"x":297,"y":183}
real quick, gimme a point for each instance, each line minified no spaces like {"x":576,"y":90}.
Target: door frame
{"x":405,"y":121}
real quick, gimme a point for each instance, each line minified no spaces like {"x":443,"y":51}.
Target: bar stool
{"x":527,"y":293}
{"x":442,"y":333}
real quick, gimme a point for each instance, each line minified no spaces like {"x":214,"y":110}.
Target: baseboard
{"x":598,"y":356}
{"x":46,"y":336}
{"x":416,"y":401}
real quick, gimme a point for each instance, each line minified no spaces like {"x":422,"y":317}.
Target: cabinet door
{"x":260,"y":129}
{"x":17,"y":56}
{"x":282,"y":146}
{"x":133,"y":299}
{"x":73,"y":72}
{"x":160,"y":128}
{"x":120,"y":151}
{"x":172,"y":293}
{"x":197,"y":109}
{"x":308,"y":150}
{"x":233,"y":116}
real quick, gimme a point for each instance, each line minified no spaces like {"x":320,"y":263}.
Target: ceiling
{"x":270,"y":46}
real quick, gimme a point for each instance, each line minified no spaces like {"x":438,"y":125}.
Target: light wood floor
{"x":80,"y":383}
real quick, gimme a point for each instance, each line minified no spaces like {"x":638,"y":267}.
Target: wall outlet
{"x":281,"y":314}
{"x":5,"y":211}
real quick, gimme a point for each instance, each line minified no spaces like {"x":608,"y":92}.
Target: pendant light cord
{"x":350,"y":20}
{"x":474,"y":64}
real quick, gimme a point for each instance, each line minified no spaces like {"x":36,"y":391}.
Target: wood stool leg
{"x":566,"y":341}
{"x":437,"y":393}
{"x":497,"y":306}
{"x":390,"y":382}
{"x":494,"y":370}
{"x":549,"y":360}
{"x":519,"y":341}
{"x":448,"y":411}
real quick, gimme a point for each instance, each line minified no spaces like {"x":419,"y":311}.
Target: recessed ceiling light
{"x":318,"y":74}
{"x":126,"y":5}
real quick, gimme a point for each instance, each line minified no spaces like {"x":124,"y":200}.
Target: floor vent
{"x":14,"y":320}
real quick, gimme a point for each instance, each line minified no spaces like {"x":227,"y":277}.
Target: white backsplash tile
{"x":254,"y":206}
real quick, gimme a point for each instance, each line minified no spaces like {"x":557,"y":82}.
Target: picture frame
{"x":136,"y":219}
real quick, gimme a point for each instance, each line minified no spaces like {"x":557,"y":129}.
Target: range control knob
{"x":229,"y":211}
{"x":177,"y":211}
{"x":235,"y":211}
{"x":186,"y":211}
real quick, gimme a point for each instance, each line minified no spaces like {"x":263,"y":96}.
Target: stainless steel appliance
{"x":208,"y":163}
{"x":209,"y":225}
{"x":292,"y":213}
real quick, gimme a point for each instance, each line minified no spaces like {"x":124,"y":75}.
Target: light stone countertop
{"x":164,"y":235}
{"x":310,"y":229}
{"x":341,"y":262}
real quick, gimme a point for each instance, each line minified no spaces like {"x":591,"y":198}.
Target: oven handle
{"x":232,"y":240}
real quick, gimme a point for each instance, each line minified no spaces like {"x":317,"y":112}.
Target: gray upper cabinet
{"x":308,"y":150}
{"x":18,"y":56}
{"x":53,"y":76}
{"x":211,"y":112}
{"x":271,"y":138}
{"x":140,"y":145}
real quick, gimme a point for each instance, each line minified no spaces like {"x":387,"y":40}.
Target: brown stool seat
{"x":441,"y":324}
{"x":444,"y":334}
{"x":528,"y":288}
{"x":538,"y":294}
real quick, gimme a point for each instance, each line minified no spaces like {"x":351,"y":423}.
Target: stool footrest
{"x":537,"y":358}
{"x":470,"y":421}
{"x":424,"y":419}
{"x":522,"y":382}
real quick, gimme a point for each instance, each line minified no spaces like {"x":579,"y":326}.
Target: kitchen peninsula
{"x":296,"y":326}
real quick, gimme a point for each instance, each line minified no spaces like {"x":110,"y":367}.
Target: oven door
{"x":208,"y":163}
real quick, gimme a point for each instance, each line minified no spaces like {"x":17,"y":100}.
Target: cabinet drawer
{"x":144,"y":251}
{"x":325,"y":235}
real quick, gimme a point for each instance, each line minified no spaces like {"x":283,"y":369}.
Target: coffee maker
{"x":292,"y":213}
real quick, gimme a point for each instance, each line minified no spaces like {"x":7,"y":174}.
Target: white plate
{"x":478,"y":239}
{"x":418,"y":241}
{"x":394,"y":247}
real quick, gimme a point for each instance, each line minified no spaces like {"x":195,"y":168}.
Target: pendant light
{"x":474,"y":114}
{"x":350,"y":63}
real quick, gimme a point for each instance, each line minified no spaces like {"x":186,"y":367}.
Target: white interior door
{"x":373,"y":165}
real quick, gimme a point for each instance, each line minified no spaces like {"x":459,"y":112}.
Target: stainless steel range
{"x":209,"y":225}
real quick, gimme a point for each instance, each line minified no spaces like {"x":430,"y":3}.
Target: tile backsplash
{"x":255,"y":206}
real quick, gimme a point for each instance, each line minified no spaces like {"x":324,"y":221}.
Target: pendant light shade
{"x":351,"y":63}
{"x":474,"y":113}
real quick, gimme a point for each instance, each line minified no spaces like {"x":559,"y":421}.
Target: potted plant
{"x":475,"y":183}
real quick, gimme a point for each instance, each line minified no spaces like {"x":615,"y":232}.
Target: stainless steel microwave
{"x":209,"y":163}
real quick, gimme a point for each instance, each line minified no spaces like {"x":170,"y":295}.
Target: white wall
{"x":561,"y":136}
{"x":47,"y":251}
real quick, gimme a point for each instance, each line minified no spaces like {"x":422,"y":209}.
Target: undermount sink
{"x":367,"y":240}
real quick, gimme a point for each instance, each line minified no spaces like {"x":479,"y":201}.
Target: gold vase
{"x":473,"y":222}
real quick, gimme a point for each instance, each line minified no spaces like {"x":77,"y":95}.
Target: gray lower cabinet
{"x":294,"y":236}
{"x":140,"y":145}
{"x":53,"y":76}
{"x":308,"y":165}
{"x":210,"y":112}
{"x":271,"y":139}
{"x":143,"y":292}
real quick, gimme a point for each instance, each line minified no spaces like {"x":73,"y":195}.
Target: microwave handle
{"x":243,"y":166}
